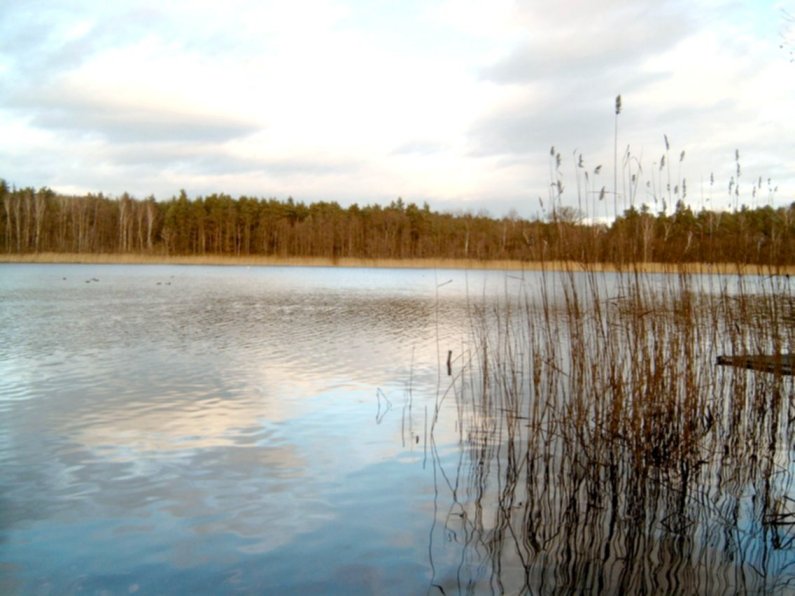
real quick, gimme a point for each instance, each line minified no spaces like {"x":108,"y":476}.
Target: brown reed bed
{"x":603,"y":450}
{"x":409,"y":263}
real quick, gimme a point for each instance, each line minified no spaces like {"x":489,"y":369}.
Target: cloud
{"x":574,"y":58}
{"x":601,"y":42}
{"x":42,"y":41}
{"x":693,"y":72}
{"x":210,"y":160}
{"x":528,"y":128}
{"x":419,"y":147}
{"x":455,"y":102}
{"x":115,"y":120}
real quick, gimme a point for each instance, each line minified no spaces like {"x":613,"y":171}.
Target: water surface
{"x":173,"y":429}
{"x":178,"y":429}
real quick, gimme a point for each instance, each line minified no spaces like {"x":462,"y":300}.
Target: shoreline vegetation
{"x":606,"y":450}
{"x":657,"y":232}
{"x":647,"y":221}
{"x":393,"y":263}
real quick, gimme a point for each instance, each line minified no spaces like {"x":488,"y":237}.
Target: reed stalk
{"x":609,"y":453}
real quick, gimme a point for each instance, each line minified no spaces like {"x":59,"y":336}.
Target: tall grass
{"x":602,"y":449}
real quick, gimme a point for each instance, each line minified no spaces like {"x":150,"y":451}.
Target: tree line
{"x":44,"y":221}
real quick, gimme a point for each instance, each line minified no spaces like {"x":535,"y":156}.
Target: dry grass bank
{"x":432,"y":263}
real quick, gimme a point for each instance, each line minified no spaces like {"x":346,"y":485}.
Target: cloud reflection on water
{"x":230,"y":414}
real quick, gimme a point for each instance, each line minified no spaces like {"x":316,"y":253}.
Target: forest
{"x":38,"y":221}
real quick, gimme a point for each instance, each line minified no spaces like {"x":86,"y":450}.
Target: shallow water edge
{"x":430,"y":263}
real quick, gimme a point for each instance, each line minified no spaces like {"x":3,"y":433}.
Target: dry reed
{"x":431,"y":263}
{"x":607,"y":452}
{"x":602,"y":448}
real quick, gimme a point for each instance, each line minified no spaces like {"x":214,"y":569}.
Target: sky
{"x":456,"y":103}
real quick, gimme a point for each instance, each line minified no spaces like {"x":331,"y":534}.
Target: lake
{"x":188,"y":429}
{"x":183,"y":429}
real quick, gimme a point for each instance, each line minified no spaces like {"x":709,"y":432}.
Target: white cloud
{"x":455,"y":101}
{"x":494,"y":19}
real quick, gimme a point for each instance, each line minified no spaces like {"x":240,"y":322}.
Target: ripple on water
{"x":221,"y":427}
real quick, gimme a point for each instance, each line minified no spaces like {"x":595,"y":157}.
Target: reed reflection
{"x":601,"y":449}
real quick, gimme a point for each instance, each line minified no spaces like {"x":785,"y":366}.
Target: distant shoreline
{"x":431,"y":263}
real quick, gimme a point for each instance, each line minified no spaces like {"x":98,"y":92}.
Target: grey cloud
{"x":163,"y":167}
{"x":33,"y":43}
{"x":146,"y":125}
{"x":533,"y":63}
{"x":211,"y":160}
{"x":577,"y":56}
{"x":80,"y":114}
{"x":528,"y":131}
{"x":570,"y":113}
{"x":592,"y":39}
{"x":31,"y":36}
{"x":39,"y":54}
{"x":718,"y":113}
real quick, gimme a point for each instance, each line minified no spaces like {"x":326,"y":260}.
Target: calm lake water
{"x":171,"y":429}
{"x":168,"y":429}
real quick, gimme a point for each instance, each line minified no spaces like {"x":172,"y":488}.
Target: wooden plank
{"x":783,"y":364}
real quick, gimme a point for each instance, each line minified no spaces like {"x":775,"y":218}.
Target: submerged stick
{"x":773,"y":363}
